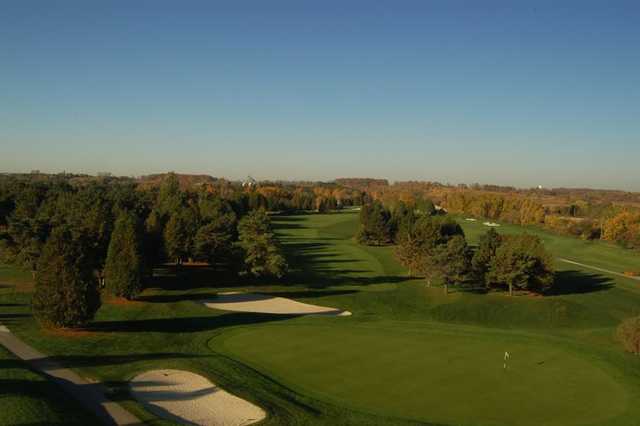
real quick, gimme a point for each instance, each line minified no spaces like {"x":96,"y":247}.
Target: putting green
{"x":429,"y":374}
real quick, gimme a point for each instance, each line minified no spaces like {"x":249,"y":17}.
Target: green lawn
{"x":408,"y":355}
{"x":27,"y":398}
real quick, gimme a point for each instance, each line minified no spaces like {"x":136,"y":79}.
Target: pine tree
{"x":521,"y":262}
{"x":482,"y":258}
{"x":178,"y":235}
{"x":124,"y":266}
{"x":453,"y":262}
{"x":66,"y":292}
{"x":262,"y":253}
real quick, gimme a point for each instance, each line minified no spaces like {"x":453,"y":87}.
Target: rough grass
{"x":27,"y":398}
{"x":409,"y":354}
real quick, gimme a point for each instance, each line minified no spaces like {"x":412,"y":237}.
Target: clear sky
{"x":521,"y":93}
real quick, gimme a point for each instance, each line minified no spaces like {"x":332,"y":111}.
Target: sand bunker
{"x":492,"y":224}
{"x":191,"y":399}
{"x":262,"y":303}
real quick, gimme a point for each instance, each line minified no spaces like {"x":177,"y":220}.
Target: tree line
{"x":433,"y":246}
{"x":106,"y":237}
{"x":583,"y":213}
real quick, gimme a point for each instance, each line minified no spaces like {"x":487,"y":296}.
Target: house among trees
{"x":249,"y":183}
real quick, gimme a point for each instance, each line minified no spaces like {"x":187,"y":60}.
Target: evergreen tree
{"x":453,"y":262}
{"x":66,"y":293}
{"x":213,"y":241}
{"x":420,"y":248}
{"x":482,"y":258}
{"x":403,"y":219}
{"x":521,"y":262}
{"x":178,"y":235}
{"x":124,"y":265}
{"x":262,"y":253}
{"x":375,"y":225}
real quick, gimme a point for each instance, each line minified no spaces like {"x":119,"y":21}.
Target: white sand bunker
{"x":262,"y":303}
{"x":191,"y":399}
{"x":492,"y":224}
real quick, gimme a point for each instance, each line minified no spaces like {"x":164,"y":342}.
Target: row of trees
{"x":380,"y":225}
{"x":80,"y":241}
{"x":435,"y":248}
{"x":583,"y":213}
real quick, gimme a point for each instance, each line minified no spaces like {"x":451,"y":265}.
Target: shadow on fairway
{"x":191,"y":277}
{"x":12,"y":318}
{"x":174,"y":298}
{"x":185,"y":325}
{"x":303,"y":294}
{"x":578,"y":282}
{"x":81,"y":361}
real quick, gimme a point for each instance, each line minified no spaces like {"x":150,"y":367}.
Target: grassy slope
{"x":400,"y":340}
{"x":570,"y":334}
{"x":26,"y":397}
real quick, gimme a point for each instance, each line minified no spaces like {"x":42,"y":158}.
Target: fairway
{"x":408,"y":355}
{"x":428,"y":374}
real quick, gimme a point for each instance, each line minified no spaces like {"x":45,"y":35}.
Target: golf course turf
{"x":408,"y":355}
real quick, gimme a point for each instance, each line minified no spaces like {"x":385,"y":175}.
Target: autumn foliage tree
{"x":628,"y":333}
{"x":623,"y":228}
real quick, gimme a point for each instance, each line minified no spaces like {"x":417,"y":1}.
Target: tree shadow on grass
{"x":578,"y":282}
{"x":82,"y":361}
{"x":174,"y":298}
{"x":303,"y":294}
{"x":45,"y":391}
{"x":190,"y":277}
{"x":12,"y":318}
{"x":185,"y":325}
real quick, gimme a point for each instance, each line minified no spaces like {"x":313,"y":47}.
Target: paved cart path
{"x":91,"y":395}
{"x":598,"y":269}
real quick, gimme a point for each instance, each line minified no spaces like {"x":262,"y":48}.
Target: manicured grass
{"x":596,"y":253}
{"x":409,"y":353}
{"x":435,"y":374}
{"x":27,"y":398}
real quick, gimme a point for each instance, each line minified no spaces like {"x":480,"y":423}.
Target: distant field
{"x":408,"y":355}
{"x":597,"y":253}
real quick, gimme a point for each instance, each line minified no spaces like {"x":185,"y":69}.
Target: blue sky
{"x":520,"y":93}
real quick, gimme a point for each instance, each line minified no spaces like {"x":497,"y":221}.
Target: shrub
{"x":628,"y":334}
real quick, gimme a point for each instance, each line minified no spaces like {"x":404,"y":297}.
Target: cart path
{"x":91,"y":395}
{"x":598,"y":269}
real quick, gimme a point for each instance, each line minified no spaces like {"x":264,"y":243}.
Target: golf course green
{"x":409,"y":354}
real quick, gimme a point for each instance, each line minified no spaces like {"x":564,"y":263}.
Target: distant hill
{"x":186,"y":180}
{"x":362,"y":184}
